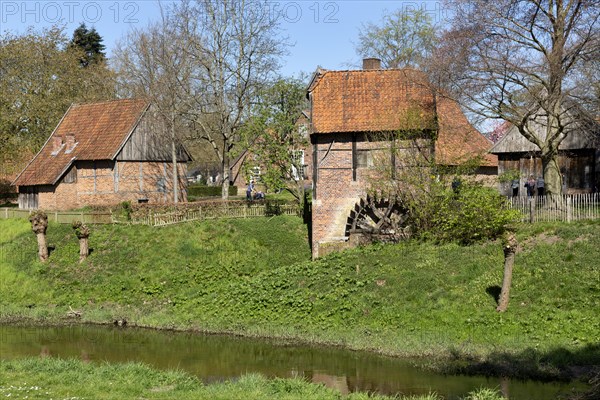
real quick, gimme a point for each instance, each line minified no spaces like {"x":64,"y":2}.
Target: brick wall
{"x":108,"y":183}
{"x":337,"y":191}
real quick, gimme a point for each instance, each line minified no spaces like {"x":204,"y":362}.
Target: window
{"x":298,"y":165}
{"x":71,"y":176}
{"x":364,"y":158}
{"x":303,"y":130}
{"x":255,"y":173}
{"x":161,"y":185}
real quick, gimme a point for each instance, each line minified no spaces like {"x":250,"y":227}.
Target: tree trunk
{"x":552,"y":175}
{"x":42,"y":246}
{"x":84,"y":248}
{"x":510,"y":247}
{"x":39,"y":224}
{"x":174,"y":160}
{"x":82,"y":232}
{"x":225,"y":183}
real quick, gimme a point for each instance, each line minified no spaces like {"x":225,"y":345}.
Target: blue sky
{"x":322,"y":32}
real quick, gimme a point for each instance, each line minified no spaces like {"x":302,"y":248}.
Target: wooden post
{"x":569,"y":209}
{"x":531,"y":209}
{"x":510,"y":248}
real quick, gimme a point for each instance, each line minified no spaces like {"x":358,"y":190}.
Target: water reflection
{"x":216,"y":358}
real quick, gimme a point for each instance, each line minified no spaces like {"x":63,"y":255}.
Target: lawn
{"x":254,"y":277}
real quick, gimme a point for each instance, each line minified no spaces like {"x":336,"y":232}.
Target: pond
{"x":215,"y":358}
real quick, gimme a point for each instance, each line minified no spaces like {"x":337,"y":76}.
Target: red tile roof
{"x":381,"y":100}
{"x":100,"y":129}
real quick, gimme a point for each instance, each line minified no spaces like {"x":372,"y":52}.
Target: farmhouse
{"x":102,"y":154}
{"x":354,"y":114}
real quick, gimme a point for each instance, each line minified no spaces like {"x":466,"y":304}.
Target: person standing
{"x":514,"y":185}
{"x":530,"y":185}
{"x":249,"y":190}
{"x":540,"y":184}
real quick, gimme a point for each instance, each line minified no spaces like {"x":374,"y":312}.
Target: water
{"x":216,"y":358}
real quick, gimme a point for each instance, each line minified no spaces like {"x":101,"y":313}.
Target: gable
{"x":149,"y":142}
{"x":514,"y":142}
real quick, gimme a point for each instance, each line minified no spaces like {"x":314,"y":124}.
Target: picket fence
{"x":557,"y":208}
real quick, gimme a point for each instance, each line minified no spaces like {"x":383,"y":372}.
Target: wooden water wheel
{"x":378,"y":219}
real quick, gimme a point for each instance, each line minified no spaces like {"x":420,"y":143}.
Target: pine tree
{"x":90,"y":41}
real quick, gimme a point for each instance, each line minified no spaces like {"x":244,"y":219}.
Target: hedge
{"x":209,"y":191}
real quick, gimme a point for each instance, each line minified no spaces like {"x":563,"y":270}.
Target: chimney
{"x":371,"y":63}
{"x":56,"y":144}
{"x":70,"y":139}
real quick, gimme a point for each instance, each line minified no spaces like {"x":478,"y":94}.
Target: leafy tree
{"x":40,"y":77}
{"x":90,"y":42}
{"x":520,"y":61}
{"x":402,"y":39}
{"x":273,"y":134}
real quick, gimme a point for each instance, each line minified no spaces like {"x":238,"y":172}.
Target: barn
{"x":102,"y":154}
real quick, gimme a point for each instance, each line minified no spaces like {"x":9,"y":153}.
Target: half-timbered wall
{"x":107,"y":183}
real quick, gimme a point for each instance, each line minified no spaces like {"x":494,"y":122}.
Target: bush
{"x":467,"y":215}
{"x":209,"y":191}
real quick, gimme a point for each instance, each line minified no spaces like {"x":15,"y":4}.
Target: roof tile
{"x":395,"y":99}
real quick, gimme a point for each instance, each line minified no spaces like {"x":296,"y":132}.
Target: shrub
{"x":123,"y":211}
{"x":467,"y":215}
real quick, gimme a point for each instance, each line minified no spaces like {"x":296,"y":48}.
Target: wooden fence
{"x":565,"y":208}
{"x":156,"y":218}
{"x":62,"y":217}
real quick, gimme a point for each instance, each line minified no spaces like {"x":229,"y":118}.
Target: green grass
{"x":71,"y":379}
{"x":49,"y":378}
{"x":254,"y":277}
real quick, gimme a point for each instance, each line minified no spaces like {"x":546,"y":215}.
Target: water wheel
{"x":379,"y":219}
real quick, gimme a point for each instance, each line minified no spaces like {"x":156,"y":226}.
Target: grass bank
{"x":54,"y":379}
{"x":254,"y":277}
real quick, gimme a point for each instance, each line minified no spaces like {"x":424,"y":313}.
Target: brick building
{"x":102,"y":154}
{"x":351,"y":111}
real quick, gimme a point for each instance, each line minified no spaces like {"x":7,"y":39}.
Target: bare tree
{"x":518,"y":61}
{"x":152,"y":64}
{"x":235,"y":46}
